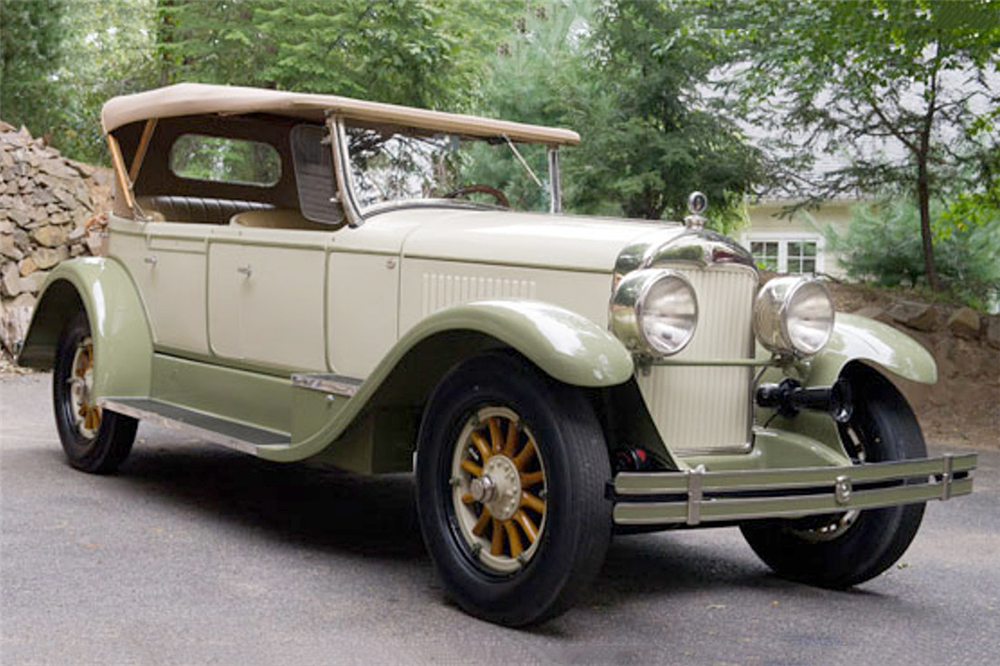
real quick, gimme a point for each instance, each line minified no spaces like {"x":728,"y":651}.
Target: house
{"x":794,"y":243}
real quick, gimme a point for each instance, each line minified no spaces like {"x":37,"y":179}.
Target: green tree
{"x":879,"y":79}
{"x":30,"y":48}
{"x":879,"y":246}
{"x":425,"y":53}
{"x":108,"y":50}
{"x":627,"y":76}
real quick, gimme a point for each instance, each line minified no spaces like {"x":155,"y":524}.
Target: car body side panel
{"x":562,"y":344}
{"x":123,"y":345}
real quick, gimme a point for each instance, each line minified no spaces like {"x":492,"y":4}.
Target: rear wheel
{"x":845,"y":549}
{"x":94,"y":440}
{"x":511,"y":469}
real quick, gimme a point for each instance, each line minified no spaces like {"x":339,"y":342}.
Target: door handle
{"x":151,"y":260}
{"x":246,"y":271}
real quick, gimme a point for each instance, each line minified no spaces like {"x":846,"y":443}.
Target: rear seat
{"x":281,"y":218}
{"x":171,"y":208}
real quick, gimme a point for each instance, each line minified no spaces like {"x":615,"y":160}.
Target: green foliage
{"x":626,"y":76}
{"x":424,"y":53}
{"x":30,"y":47}
{"x":108,"y":51}
{"x":907,"y":88}
{"x":879,"y":246}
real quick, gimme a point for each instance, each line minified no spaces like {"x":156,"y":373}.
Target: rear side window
{"x":225,"y":160}
{"x":314,"y":175}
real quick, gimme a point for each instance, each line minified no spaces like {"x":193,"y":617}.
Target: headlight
{"x":793,"y":315}
{"x":654,"y":311}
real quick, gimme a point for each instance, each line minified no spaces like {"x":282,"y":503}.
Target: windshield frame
{"x":358,"y":214}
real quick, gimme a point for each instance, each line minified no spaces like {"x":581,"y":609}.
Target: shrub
{"x":882,"y":245}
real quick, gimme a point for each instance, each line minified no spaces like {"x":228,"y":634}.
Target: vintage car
{"x":384,"y":289}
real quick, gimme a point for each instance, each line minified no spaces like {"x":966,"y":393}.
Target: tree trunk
{"x":924,"y":201}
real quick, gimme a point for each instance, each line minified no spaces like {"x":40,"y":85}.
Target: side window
{"x":314,"y":178}
{"x":225,"y":160}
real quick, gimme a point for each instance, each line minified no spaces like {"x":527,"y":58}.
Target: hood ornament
{"x":697,"y":203}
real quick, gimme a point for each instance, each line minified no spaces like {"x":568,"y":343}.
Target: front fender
{"x":564,"y":345}
{"x":858,"y":338}
{"x":854,"y":338}
{"x":123,"y":345}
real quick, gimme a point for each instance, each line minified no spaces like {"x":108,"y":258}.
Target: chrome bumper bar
{"x":696,"y":497}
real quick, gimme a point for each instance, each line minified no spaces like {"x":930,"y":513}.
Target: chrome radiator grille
{"x":707,"y":408}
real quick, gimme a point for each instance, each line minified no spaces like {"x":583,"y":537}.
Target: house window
{"x":765,"y":254}
{"x":786,"y":254}
{"x":801,"y":257}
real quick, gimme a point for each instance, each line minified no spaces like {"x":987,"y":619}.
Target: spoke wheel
{"x":86,"y":412}
{"x":845,"y":549}
{"x":511,"y":471}
{"x":499,"y":489}
{"x":94,"y":440}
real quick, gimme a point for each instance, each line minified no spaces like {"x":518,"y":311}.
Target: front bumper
{"x":697,"y":497}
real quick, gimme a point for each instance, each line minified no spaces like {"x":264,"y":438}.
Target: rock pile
{"x":46,"y":203}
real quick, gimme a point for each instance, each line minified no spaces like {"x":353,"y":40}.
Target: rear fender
{"x":123,"y":345}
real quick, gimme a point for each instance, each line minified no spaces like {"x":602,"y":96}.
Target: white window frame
{"x":783,"y":238}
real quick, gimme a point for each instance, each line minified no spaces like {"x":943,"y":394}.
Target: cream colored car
{"x":385,"y":289}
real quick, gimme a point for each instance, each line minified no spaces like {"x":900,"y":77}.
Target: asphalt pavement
{"x":194,"y":554}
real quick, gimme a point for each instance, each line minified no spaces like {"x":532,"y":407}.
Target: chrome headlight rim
{"x":630,"y":306}
{"x":774,"y":308}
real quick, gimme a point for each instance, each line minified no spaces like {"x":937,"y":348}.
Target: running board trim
{"x":229,"y":434}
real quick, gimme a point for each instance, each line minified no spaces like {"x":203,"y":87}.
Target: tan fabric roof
{"x":185,"y":99}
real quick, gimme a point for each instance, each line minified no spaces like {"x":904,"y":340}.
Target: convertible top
{"x":187,"y":99}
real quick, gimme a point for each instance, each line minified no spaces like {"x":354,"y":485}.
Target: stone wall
{"x":50,"y":209}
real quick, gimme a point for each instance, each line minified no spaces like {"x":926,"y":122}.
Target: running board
{"x":228,"y":433}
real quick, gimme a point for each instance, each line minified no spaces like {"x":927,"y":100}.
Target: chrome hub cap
{"x":499,"y":490}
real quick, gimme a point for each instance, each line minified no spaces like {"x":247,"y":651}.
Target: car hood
{"x":521,"y":239}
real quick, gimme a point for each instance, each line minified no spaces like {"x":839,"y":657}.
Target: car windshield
{"x":399,"y":166}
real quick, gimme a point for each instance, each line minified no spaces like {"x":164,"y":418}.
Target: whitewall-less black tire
{"x":511,"y":473}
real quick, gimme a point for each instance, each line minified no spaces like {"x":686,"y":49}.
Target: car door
{"x":266,"y":297}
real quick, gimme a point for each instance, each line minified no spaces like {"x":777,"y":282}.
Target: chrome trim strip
{"x":327,"y":383}
{"x":342,"y":171}
{"x":728,"y":510}
{"x":748,"y":362}
{"x":555,"y":184}
{"x":213,"y":436}
{"x":668,"y":483}
{"x":678,"y":245}
{"x":713,"y":451}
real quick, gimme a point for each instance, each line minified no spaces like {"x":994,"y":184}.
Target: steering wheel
{"x":484,"y":189}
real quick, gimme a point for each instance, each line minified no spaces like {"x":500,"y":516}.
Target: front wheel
{"x":94,"y":440}
{"x":845,"y":549}
{"x":511,"y":469}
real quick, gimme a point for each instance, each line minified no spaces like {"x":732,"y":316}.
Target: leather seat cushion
{"x":172,"y":208}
